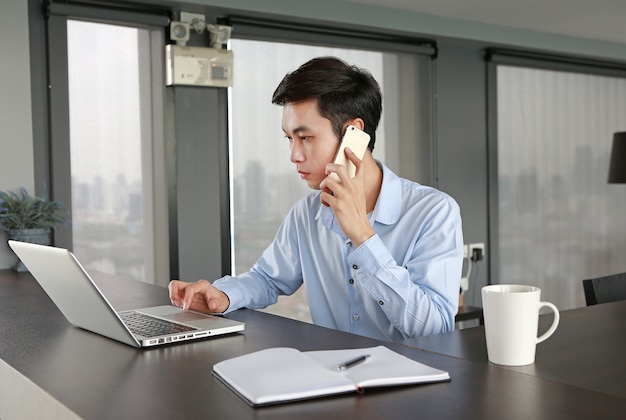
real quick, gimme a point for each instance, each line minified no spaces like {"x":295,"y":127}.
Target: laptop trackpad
{"x":175,"y":314}
{"x":185,"y":316}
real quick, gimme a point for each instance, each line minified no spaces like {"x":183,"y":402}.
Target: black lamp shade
{"x":617,"y":167}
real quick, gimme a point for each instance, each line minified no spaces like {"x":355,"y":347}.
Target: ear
{"x":357,"y":122}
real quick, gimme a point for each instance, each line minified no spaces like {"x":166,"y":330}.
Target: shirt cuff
{"x":371,"y":256}
{"x":232,"y":290}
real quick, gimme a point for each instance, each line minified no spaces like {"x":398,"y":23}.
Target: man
{"x":379,"y":255}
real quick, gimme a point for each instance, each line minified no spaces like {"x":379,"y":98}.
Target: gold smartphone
{"x":357,"y":141}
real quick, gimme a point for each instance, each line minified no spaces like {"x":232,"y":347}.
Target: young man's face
{"x":312,"y":140}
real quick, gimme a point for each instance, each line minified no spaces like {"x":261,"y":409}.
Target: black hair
{"x":343,"y":92}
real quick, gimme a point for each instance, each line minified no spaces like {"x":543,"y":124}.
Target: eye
{"x":304,"y":138}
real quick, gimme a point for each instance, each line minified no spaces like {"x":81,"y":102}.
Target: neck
{"x":373,"y":181}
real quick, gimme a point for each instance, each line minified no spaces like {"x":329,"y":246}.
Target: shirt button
{"x":381,"y":303}
{"x":355,"y":317}
{"x":356,"y":267}
{"x":349,"y":244}
{"x":351,"y":281}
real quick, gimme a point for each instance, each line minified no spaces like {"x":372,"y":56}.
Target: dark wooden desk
{"x":93,"y":377}
{"x":587,"y":350}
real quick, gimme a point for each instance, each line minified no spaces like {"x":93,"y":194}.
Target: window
{"x":264,"y":182}
{"x":113,"y":143}
{"x":559,"y":220}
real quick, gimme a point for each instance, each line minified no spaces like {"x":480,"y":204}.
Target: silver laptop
{"x":79,"y":299}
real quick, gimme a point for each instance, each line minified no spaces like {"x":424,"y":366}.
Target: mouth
{"x":304,"y":175}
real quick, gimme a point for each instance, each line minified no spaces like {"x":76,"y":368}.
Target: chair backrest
{"x":605,"y":289}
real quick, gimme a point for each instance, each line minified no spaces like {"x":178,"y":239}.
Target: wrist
{"x":225,"y":302}
{"x":362,"y":237}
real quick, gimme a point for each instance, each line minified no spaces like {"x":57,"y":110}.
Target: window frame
{"x":53,"y":154}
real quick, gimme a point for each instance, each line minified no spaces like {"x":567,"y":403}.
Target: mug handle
{"x":555,"y":321}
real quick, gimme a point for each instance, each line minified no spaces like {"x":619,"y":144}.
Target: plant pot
{"x":33,"y":236}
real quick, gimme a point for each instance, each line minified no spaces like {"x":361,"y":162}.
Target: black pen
{"x":353,"y":362}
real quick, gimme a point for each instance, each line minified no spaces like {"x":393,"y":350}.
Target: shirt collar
{"x":388,"y":206}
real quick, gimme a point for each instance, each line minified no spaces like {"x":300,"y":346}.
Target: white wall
{"x":16,"y":134}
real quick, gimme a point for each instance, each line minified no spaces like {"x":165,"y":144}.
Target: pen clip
{"x":352,"y":362}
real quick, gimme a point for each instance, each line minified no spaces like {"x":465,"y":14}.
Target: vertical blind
{"x":559,"y":221}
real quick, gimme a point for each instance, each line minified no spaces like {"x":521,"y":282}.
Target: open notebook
{"x":281,"y":374}
{"x":80,"y":300}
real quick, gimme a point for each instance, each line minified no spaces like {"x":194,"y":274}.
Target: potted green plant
{"x":30,"y":219}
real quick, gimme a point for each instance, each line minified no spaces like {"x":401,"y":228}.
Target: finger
{"x":198,"y":296}
{"x":175,"y":287}
{"x":351,"y":156}
{"x":354,"y":159}
{"x":327,"y":198}
{"x":329,"y":183}
{"x":214,"y":305}
{"x":339,"y":171}
{"x":190,"y":293}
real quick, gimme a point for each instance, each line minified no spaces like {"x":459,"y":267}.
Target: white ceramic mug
{"x":511,"y":314}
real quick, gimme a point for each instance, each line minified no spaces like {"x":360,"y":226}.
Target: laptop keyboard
{"x":149,"y":326}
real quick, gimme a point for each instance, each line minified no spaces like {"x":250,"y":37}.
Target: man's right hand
{"x":199,"y":296}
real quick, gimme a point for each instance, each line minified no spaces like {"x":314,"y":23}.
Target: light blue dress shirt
{"x":402,"y":282}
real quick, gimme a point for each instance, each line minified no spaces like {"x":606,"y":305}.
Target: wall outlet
{"x":477,"y":251}
{"x":466,"y":252}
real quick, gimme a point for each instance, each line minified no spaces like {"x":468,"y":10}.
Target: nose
{"x":296,"y":154}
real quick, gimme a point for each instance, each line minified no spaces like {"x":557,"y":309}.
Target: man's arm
{"x":277,"y":272}
{"x":419,"y":295}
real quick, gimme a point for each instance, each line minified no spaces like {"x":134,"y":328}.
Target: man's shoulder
{"x":413,"y":191}
{"x":308,"y":204}
{"x":401,"y":194}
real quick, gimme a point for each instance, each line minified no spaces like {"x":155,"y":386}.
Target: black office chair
{"x":605,"y":289}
